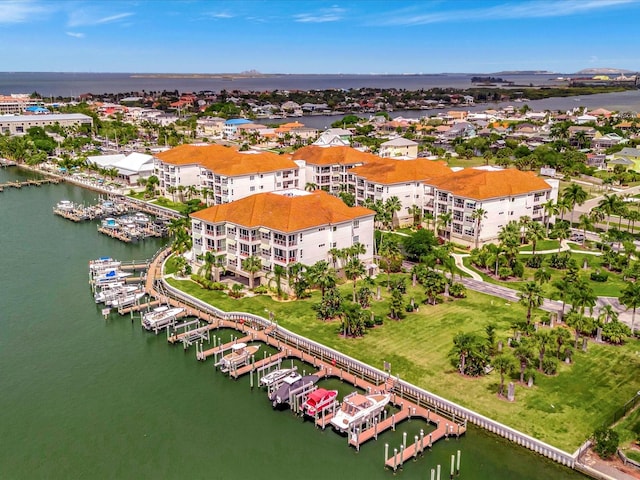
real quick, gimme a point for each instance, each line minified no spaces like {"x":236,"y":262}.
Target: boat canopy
{"x":239,"y":346}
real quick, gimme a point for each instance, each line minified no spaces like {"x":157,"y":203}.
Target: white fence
{"x":374,"y":375}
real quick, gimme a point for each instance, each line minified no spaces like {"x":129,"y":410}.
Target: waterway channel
{"x":87,"y":397}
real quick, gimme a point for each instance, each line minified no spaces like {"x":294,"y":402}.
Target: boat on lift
{"x":318,"y":400}
{"x":160,"y":317}
{"x":276,"y":376}
{"x":239,"y":356}
{"x":290,"y":383}
{"x":357,"y":408}
{"x":110,"y":276}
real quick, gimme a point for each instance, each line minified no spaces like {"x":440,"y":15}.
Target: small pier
{"x":28,"y":183}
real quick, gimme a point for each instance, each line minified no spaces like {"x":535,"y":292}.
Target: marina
{"x":119,"y":412}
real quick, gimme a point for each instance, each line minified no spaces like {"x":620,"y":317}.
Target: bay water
{"x":85,"y":397}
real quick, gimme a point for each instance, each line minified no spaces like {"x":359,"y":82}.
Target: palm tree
{"x":562,"y":231}
{"x":531,"y":297}
{"x":574,"y":194}
{"x":278,"y":272}
{"x":391,"y":206}
{"x":542,"y":275}
{"x":630,"y":298}
{"x":444,"y":219}
{"x":551,"y":209}
{"x":563,"y":287}
{"x":542,"y":339}
{"x":522,"y":353}
{"x":609,"y":205}
{"x":580,"y":324}
{"x":478,"y":215}
{"x":389,"y":254}
{"x":354,"y":269}
{"x":607,"y":314}
{"x":416,"y":212}
{"x":252,"y":265}
{"x":535,"y":233}
{"x":334,"y":254}
{"x":310,"y":187}
{"x":585,"y":223}
{"x":463,"y":347}
{"x":504,"y":364}
{"x":322,"y":275}
{"x":209,"y":259}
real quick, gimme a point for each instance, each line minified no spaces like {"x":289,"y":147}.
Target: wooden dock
{"x":444,"y":427}
{"x":28,"y":183}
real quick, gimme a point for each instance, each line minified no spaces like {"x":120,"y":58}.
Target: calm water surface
{"x":87,"y":398}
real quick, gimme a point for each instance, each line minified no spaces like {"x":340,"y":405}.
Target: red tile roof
{"x":390,"y":171}
{"x":486,"y":184}
{"x":315,"y":155}
{"x":283,"y":213}
{"x":226,"y":161}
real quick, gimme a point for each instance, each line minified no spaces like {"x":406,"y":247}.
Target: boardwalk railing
{"x":422,"y":397}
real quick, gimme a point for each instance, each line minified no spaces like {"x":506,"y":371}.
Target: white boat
{"x":357,"y":408}
{"x":160,"y":317}
{"x":239,"y":356}
{"x":65,"y":206}
{"x":126,"y":299}
{"x":276,"y":376}
{"x":103,"y":264}
{"x":112,"y":290}
{"x":111,"y":275}
{"x":141,"y":218}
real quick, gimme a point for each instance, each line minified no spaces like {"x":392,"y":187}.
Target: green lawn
{"x":541,"y":245}
{"x":562,"y":410}
{"x":629,"y":440}
{"x":611,"y":288}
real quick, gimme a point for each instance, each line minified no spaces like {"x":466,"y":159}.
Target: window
{"x":321,"y":245}
{"x":251,"y":177}
{"x":356,"y":223}
{"x":335,"y":229}
{"x":334,"y":244}
{"x":252,"y":189}
{"x":356,"y":239}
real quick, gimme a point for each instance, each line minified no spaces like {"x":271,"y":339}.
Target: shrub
{"x":260,"y":290}
{"x":599,"y":276}
{"x":458,"y":290}
{"x":534,"y":261}
{"x":378,"y":320}
{"x":550,"y":366}
{"x":605,"y":442}
{"x":518,"y":269}
{"x":369,"y":322}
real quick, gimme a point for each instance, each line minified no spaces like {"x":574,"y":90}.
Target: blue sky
{"x":297,"y":36}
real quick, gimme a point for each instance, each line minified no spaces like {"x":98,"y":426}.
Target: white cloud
{"x":332,"y":14}
{"x":75,"y":34}
{"x":506,"y":11}
{"x":19,"y":11}
{"x":222,"y":15}
{"x":80,"y":18}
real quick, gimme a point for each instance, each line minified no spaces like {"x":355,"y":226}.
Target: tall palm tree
{"x":334,"y":254}
{"x":630,"y":298}
{"x":542,"y":276}
{"x":609,"y":205}
{"x":389,"y":253}
{"x":392,"y":206}
{"x":531,"y":297}
{"x":416,"y":212}
{"x":206,"y":269}
{"x":354,"y":269}
{"x":607,"y":314}
{"x":321,"y":275}
{"x":585,"y":223}
{"x":562,"y":231}
{"x":504,"y":364}
{"x":478,"y":215}
{"x":278,"y":273}
{"x":535,"y":233}
{"x":551,"y":209}
{"x":444,"y":220}
{"x":252,"y":265}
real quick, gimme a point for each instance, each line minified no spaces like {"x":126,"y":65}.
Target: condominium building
{"x":327,"y":167}
{"x":281,"y":228}
{"x":505,"y":195}
{"x":227,"y":174}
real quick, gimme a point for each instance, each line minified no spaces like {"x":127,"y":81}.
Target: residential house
{"x":281,"y":228}
{"x":130,"y":167}
{"x":631,"y":155}
{"x":399,"y":148}
{"x":334,"y":137}
{"x":231,"y":126}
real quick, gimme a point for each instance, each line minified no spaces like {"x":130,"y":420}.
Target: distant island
{"x":602,"y":71}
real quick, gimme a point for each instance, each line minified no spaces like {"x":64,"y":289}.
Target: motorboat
{"x":141,"y":218}
{"x":357,"y":408}
{"x":239,"y":356}
{"x":112,"y":290}
{"x":65,"y":206}
{"x":318,"y":400}
{"x":289,"y":384}
{"x":126,"y":299}
{"x":276,"y":376}
{"x":160,"y":317}
{"x":110,"y":222}
{"x":111,"y":275}
{"x":102,"y":264}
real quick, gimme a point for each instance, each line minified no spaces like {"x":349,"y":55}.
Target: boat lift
{"x":189,"y":336}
